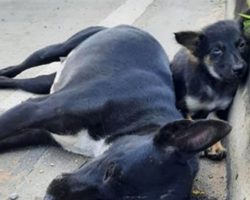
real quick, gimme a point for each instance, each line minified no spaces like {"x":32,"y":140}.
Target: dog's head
{"x":220,"y":47}
{"x":155,"y":166}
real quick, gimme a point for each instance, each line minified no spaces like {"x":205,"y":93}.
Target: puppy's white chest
{"x":195,"y":104}
{"x":81,"y":143}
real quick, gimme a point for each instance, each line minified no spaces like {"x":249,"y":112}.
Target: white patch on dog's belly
{"x":81,"y":143}
{"x":58,"y":74}
{"x":59,"y":71}
{"x":194,"y":104}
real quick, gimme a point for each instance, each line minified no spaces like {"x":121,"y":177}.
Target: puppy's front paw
{"x":217,"y":152}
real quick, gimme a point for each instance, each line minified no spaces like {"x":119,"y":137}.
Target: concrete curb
{"x":238,"y":162}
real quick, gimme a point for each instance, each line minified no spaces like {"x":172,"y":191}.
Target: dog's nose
{"x":238,"y":69}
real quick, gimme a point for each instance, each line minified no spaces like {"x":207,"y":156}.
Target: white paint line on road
{"x":127,"y":13}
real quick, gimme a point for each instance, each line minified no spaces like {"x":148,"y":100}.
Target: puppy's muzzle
{"x":238,"y":70}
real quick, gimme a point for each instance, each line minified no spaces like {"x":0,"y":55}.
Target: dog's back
{"x":123,"y":95}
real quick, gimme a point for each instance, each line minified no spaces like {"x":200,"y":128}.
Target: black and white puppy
{"x":208,"y":71}
{"x":113,"y":100}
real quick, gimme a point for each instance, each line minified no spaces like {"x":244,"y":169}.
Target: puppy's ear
{"x":192,"y":136}
{"x":190,"y":39}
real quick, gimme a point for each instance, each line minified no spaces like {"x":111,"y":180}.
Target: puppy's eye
{"x":216,"y":52}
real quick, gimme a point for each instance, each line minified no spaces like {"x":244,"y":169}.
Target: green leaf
{"x":247,"y":32}
{"x":244,"y":16}
{"x":246,"y":23}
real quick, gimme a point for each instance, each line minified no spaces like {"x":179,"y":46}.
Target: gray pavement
{"x":28,"y":25}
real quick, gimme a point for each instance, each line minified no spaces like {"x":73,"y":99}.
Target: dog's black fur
{"x":117,"y":86}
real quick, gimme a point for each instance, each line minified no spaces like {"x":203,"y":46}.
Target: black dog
{"x":113,"y":100}
{"x":208,"y":71}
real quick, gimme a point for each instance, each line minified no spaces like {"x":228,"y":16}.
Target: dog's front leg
{"x":29,"y":137}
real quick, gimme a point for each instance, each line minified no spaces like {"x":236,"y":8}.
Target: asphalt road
{"x":28,"y":25}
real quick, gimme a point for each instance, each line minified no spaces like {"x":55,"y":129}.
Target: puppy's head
{"x":220,"y":47}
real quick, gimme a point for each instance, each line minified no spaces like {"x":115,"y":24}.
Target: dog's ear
{"x":190,"y":39}
{"x":192,"y":136}
{"x":171,"y":131}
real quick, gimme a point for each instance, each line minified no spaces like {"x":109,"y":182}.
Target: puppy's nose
{"x":238,"y":69}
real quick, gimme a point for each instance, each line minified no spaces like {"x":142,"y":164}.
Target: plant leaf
{"x":244,"y":16}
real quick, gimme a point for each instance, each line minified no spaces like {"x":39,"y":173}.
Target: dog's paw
{"x":8,"y":72}
{"x":216,"y":154}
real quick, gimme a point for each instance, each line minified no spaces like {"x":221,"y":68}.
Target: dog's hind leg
{"x":60,"y":113}
{"x":38,"y":85}
{"x":50,"y":53}
{"x":29,"y":137}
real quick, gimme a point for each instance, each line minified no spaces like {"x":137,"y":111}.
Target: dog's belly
{"x":195,"y":104}
{"x":81,"y":143}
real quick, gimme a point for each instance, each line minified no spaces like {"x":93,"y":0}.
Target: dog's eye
{"x":216,"y":52}
{"x":241,"y":44}
{"x":113,"y":172}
